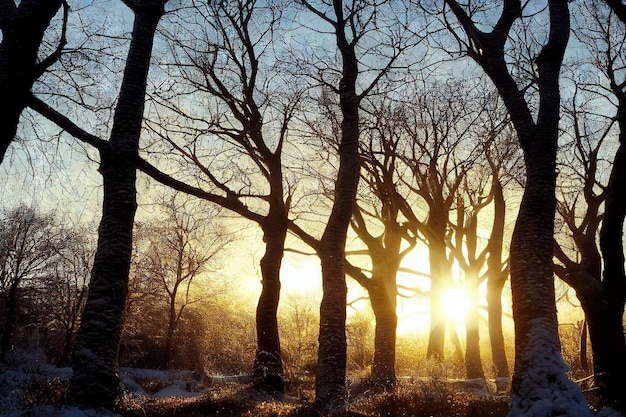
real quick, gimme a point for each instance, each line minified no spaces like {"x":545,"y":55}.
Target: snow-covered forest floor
{"x":31,"y":387}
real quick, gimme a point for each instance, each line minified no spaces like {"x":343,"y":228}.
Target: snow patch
{"x":544,"y":390}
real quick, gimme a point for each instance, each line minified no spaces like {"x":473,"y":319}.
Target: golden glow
{"x":301,"y":274}
{"x":456,"y":304}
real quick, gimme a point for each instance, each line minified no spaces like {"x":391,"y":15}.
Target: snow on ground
{"x":24,"y":373}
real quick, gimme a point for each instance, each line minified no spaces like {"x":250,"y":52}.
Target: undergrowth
{"x":410,"y":399}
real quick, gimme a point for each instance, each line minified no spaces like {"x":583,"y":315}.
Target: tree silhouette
{"x":95,"y":380}
{"x":537,"y":345}
{"x":23,"y":25}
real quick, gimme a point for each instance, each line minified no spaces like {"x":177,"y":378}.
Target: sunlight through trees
{"x":327,"y":199}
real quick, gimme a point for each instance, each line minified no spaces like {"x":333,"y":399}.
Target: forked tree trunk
{"x":95,"y":381}
{"x":23,"y":27}
{"x":537,"y":344}
{"x":539,"y":366}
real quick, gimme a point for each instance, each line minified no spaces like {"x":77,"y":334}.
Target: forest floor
{"x":411,"y":398}
{"x":31,"y":388}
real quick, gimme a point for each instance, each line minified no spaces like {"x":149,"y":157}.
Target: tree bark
{"x":330,"y":382}
{"x":268,"y":366}
{"x":22,"y":27}
{"x":537,"y":341}
{"x":495,"y":283}
{"x":537,"y":344}
{"x":383,"y":299}
{"x":473,"y":363}
{"x":95,"y":381}
{"x":611,"y":377}
{"x":440,"y":277}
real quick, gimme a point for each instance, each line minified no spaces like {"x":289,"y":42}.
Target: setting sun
{"x":456,"y":304}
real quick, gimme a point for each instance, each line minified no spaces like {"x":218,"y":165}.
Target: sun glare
{"x":456,"y":304}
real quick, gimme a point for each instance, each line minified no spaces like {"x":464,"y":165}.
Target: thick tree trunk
{"x":440,"y":278}
{"x":539,"y":366}
{"x":605,"y":335}
{"x":532,"y":283}
{"x":95,"y":381}
{"x":22,"y":28}
{"x":268,"y":366}
{"x":330,"y":383}
{"x":537,"y":344}
{"x":383,"y":300}
{"x":612,"y":377}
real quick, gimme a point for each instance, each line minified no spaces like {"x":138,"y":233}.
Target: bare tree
{"x":175,"y":251}
{"x":534,"y":307}
{"x":590,"y":206}
{"x":248,"y":114}
{"x":438,"y":157}
{"x":379,"y":222}
{"x":63,"y":292}
{"x":349,"y":24}
{"x":502,"y":159}
{"x":480,"y":257}
{"x":23,"y":25}
{"x":95,"y":381}
{"x":30,"y":245}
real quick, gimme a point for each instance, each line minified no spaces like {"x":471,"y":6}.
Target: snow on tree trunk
{"x":95,"y":381}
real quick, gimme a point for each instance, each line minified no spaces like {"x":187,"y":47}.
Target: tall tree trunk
{"x":612,"y":378}
{"x":330,"y":382}
{"x":95,"y":381}
{"x":537,"y":344}
{"x":268,"y":366}
{"x":473,"y":363}
{"x":495,"y":285}
{"x":496,"y":279}
{"x":532,"y":284}
{"x":22,"y":27}
{"x":383,"y":300}
{"x":539,"y":366}
{"x":440,"y":278}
